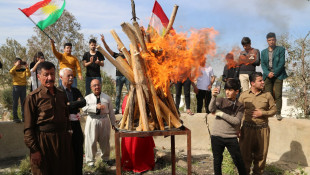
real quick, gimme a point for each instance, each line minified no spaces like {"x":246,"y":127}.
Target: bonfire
{"x":153,"y":64}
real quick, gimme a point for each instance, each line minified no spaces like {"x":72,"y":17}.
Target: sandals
{"x":189,"y":112}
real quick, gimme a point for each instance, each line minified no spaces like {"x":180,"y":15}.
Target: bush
{"x":7,"y":98}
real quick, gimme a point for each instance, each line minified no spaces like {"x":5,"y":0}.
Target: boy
{"x":228,"y":112}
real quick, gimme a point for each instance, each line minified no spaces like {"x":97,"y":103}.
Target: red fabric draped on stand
{"x":137,"y":152}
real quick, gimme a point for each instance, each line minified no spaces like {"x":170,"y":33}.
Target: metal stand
{"x":172,"y":133}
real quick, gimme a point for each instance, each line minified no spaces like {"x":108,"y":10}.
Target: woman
{"x":38,"y":58}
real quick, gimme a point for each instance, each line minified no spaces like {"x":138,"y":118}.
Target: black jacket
{"x":76,"y":104}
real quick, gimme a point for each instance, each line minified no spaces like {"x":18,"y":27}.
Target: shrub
{"x":7,"y":98}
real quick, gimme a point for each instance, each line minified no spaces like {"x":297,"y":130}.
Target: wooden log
{"x":172,"y":18}
{"x":156,"y":106}
{"x":122,"y":46}
{"x":128,"y":107}
{"x":174,"y":120}
{"x":171,"y":101}
{"x":126,"y":71}
{"x":131,"y":111}
{"x":139,"y":77}
{"x":139,"y":36}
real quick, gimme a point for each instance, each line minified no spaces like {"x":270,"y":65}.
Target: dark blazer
{"x":75,"y":104}
{"x":278,"y":63}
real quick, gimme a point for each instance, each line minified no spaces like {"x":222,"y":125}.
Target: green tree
{"x":8,"y":53}
{"x":65,"y":30}
{"x":108,"y":85}
{"x":298,"y":69}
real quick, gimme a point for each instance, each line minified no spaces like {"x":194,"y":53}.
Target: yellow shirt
{"x":263,"y":101}
{"x":66,"y":60}
{"x":19,"y":75}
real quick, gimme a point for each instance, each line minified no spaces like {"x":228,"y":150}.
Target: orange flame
{"x":178,"y":57}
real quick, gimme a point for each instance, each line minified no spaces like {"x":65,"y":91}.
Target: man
{"x":20,"y":72}
{"x":99,"y":109}
{"x":120,"y":78}
{"x":68,"y":60}
{"x":203,"y":88}
{"x":47,"y":131}
{"x":273,"y":65}
{"x":255,"y":132}
{"x":92,"y":60}
{"x":228,"y":112}
{"x":231,"y":69}
{"x":75,"y":101}
{"x":248,"y":60}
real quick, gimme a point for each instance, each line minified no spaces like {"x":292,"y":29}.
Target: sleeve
{"x":212,"y":104}
{"x":79,"y":103}
{"x":211,"y":72}
{"x":225,"y":73}
{"x":257,"y":61}
{"x":264,"y":64}
{"x":272,"y":106}
{"x":85,"y":57}
{"x":56,"y":53}
{"x":235,"y":121}
{"x":78,"y":67}
{"x":13,"y":70}
{"x":115,"y":55}
{"x":279,"y":68}
{"x":30,"y":124}
{"x":111,"y":112}
{"x":28,"y":74}
{"x":101,"y":57}
{"x":89,"y":107}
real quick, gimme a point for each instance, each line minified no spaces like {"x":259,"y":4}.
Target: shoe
{"x":116,"y":112}
{"x":17,"y":120}
{"x":279,"y":117}
{"x":91,"y":164}
{"x":189,"y":112}
{"x":109,"y":162}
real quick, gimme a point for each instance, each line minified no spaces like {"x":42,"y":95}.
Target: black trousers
{"x":205,"y":96}
{"x":187,"y":89}
{"x":77,"y":145}
{"x":218,"y":145}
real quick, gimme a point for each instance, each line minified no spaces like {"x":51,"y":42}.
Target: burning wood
{"x":151,"y":66}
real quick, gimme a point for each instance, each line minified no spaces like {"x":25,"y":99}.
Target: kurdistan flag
{"x":45,"y":13}
{"x":159,"y":21}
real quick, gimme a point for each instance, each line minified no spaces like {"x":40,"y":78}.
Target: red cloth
{"x":137,"y":152}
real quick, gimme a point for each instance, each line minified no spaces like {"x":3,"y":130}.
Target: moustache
{"x":50,"y":81}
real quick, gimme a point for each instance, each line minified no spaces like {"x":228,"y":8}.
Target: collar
{"x":67,"y":54}
{"x":65,"y":88}
{"x":45,"y":90}
{"x":260,"y":92}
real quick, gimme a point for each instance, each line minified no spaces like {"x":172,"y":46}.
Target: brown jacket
{"x":263,"y":101}
{"x":42,"y":108}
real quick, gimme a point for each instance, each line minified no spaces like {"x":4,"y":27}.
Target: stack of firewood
{"x":147,"y":108}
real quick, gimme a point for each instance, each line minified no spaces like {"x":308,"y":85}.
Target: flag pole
{"x":36,"y":25}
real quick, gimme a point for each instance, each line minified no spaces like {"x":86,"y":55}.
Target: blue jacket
{"x":278,"y":63}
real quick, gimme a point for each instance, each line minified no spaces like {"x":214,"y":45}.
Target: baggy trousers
{"x":97,"y":130}
{"x":274,"y":86}
{"x":254,"y":145}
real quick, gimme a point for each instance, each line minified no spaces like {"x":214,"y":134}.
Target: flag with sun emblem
{"x":45,"y":13}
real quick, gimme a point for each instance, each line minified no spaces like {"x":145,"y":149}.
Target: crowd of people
{"x":51,"y":115}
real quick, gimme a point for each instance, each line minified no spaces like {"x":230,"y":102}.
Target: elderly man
{"x":47,"y":130}
{"x":255,"y":132}
{"x":100,"y":112}
{"x":75,"y":101}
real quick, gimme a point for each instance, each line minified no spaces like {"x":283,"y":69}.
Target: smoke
{"x":280,"y":13}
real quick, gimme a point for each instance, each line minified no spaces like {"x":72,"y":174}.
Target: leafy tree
{"x":65,"y":30}
{"x":8,"y":54}
{"x":298,"y":68}
{"x":108,"y":85}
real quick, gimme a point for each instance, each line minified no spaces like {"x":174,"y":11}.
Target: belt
{"x":51,"y":127}
{"x":254,"y":126}
{"x":98,"y":116}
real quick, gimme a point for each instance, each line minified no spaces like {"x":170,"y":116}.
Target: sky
{"x":233,"y":20}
